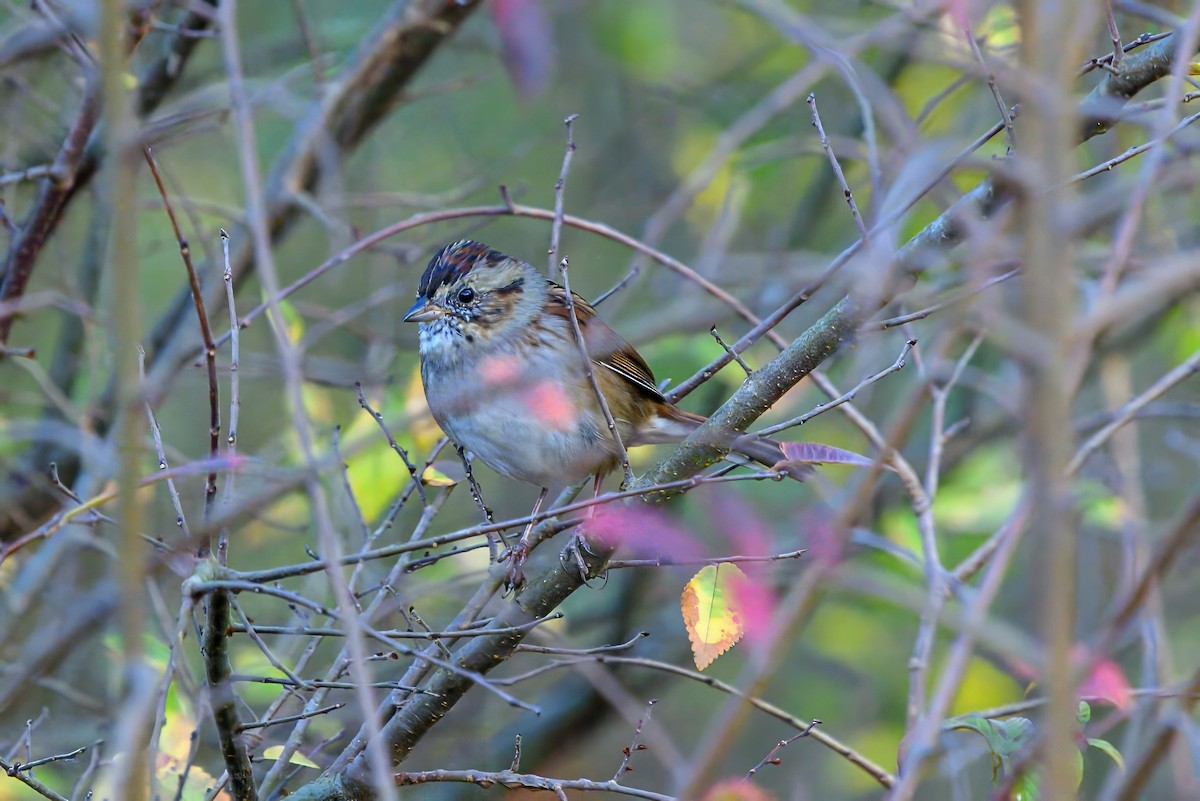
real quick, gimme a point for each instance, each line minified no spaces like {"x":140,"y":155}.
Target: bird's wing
{"x":606,"y":347}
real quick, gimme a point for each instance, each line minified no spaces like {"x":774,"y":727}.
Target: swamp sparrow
{"x":505,"y":379}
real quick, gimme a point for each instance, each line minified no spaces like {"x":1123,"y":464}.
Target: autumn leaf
{"x":711,"y":612}
{"x":737,"y":790}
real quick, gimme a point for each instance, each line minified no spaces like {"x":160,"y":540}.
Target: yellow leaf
{"x":297,"y":758}
{"x":714,"y":623}
{"x":433,"y":477}
{"x":293,"y":321}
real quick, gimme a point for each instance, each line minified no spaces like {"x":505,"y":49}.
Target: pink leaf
{"x":824,"y":542}
{"x":1107,"y":681}
{"x":750,"y":536}
{"x":648,"y":532}
{"x":957,"y":9}
{"x":815,"y":453}
{"x":527,"y":46}
{"x":754,"y":601}
{"x":747,"y":531}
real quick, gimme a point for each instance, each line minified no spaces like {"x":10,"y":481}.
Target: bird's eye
{"x":466,"y":295}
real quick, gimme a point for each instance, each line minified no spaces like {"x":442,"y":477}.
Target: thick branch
{"x":48,"y":208}
{"x":1101,"y":109}
{"x":215,"y":650}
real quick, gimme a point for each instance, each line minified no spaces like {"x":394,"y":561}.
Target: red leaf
{"x":527,"y":46}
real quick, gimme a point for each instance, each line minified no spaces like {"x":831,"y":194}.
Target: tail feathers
{"x":674,"y":424}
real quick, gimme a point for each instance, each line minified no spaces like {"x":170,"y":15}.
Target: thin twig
{"x":248,"y":628}
{"x":619,"y":564}
{"x":559,"y":192}
{"x":599,"y":649}
{"x":628,"y":752}
{"x":516,"y":781}
{"x":476,"y":492}
{"x":772,"y":757}
{"x":216,"y":587}
{"x":27,"y":174}
{"x":892,"y":322}
{"x":210,"y":347}
{"x":1127,"y":412}
{"x":180,"y":518}
{"x":30,"y":782}
{"x":730,"y":351}
{"x":27,"y":766}
{"x":878,"y":773}
{"x":569,"y":297}
{"x":262,"y":724}
{"x":837,"y":168}
{"x":990,"y":77}
{"x":351,"y":499}
{"x":678,"y":486}
{"x":315,"y":631}
{"x":787,"y":307}
{"x":1106,"y":60}
{"x":235,"y":392}
{"x":48,"y":209}
{"x":1118,"y":51}
{"x":515,"y":210}
{"x":327,"y":685}
{"x":1136,"y":150}
{"x":844,"y":397}
{"x":392,"y":443}
{"x":235,"y":398}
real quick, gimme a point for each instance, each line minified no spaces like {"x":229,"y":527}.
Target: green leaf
{"x":1085,"y":712}
{"x":1028,"y":785}
{"x":1108,"y":748}
{"x":1005,"y":737}
{"x":1025,"y":788}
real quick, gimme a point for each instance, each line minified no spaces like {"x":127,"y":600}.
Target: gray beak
{"x":422,"y":312}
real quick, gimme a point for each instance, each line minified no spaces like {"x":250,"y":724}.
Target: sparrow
{"x":505,"y":378}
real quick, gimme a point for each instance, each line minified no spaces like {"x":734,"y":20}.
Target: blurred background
{"x":693,"y":137}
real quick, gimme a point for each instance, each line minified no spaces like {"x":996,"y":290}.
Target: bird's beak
{"x":422,"y":312}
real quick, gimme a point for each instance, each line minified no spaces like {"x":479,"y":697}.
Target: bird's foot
{"x":515,"y":558}
{"x":577,"y":551}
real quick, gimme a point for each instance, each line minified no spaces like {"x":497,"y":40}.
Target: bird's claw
{"x":575,"y":551}
{"x":513,"y":576}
